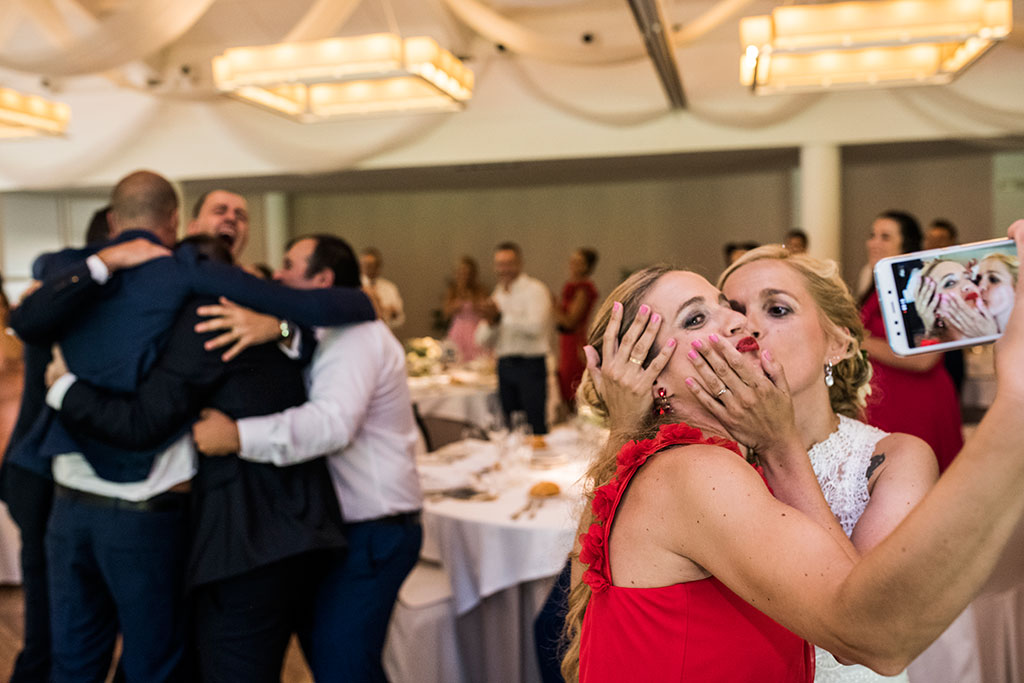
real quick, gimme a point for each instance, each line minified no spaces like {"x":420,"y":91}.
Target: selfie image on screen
{"x":963,"y":295}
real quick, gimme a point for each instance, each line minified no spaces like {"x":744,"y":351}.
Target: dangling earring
{"x":829,"y":380}
{"x":661,"y":403}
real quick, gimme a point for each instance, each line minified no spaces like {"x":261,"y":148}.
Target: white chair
{"x":422,"y":646}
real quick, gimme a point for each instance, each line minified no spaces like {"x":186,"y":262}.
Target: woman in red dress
{"x":691,"y":560}
{"x":912,"y":394}
{"x":572,"y":317}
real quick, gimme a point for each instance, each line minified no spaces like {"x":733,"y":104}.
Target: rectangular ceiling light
{"x":800,"y":48}
{"x":23,"y":116}
{"x":337,"y":77}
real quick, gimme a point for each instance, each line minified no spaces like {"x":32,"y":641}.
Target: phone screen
{"x":956,"y":294}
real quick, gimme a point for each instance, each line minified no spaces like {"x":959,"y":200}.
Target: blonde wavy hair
{"x":630,"y":294}
{"x":838,"y":312}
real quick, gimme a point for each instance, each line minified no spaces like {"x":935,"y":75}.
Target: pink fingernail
{"x":689,"y":382}
{"x":645,"y":309}
{"x":696,"y":343}
{"x":768,"y":355}
{"x":655,"y":319}
{"x":692,"y":355}
{"x":671,"y":343}
{"x":713,"y":338}
{"x":616,"y":306}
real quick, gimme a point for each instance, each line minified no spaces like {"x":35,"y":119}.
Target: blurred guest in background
{"x":911,"y":394}
{"x":519,"y":327}
{"x":381,"y":290}
{"x":99,"y":227}
{"x":796,"y":241}
{"x":941,"y":233}
{"x":462,"y":302}
{"x":733,"y":250}
{"x":571,"y":318}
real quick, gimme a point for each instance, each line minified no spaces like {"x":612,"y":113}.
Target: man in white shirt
{"x":383,"y":291}
{"x":519,"y":326}
{"x":359,"y":412}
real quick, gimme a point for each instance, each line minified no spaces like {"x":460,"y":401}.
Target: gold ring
{"x":635,"y":360}
{"x":724,"y":389}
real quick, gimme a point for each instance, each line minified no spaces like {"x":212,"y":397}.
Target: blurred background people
{"x":796,"y":241}
{"x":572,"y":315}
{"x":911,"y":394}
{"x":941,"y":233}
{"x":384,"y":292}
{"x":462,"y":304}
{"x":99,"y":227}
{"x":733,"y":250}
{"x":519,"y":327}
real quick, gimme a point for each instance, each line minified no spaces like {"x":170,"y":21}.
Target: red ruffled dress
{"x":698,"y":631}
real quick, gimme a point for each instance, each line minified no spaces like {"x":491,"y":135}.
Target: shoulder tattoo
{"x":876,"y":460}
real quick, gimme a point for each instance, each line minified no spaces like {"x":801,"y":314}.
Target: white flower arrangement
{"x":423,"y":356}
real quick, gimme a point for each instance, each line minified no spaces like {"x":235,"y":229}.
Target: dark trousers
{"x":353,"y":604}
{"x":29,"y":497}
{"x":243,"y":624}
{"x":114,"y":569}
{"x":547,"y":628}
{"x":523,"y":385}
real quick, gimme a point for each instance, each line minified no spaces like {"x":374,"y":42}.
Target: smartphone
{"x":947,"y":298}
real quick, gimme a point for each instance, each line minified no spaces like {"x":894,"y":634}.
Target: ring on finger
{"x":722,"y":391}
{"x":636,"y":360}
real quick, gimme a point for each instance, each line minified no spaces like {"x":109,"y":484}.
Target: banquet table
{"x":458,"y":394}
{"x":501,"y":569}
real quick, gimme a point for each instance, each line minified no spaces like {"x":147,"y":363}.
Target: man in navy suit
{"x":116,"y":537}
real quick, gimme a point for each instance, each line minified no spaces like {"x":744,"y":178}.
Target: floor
{"x":295,"y":670}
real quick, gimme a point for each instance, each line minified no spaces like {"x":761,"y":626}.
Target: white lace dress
{"x":840,"y":463}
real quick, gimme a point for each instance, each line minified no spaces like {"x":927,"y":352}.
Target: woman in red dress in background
{"x":914,"y":394}
{"x":571,"y":317}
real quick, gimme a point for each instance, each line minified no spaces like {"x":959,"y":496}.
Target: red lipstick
{"x":970,"y":296}
{"x":747,"y":344}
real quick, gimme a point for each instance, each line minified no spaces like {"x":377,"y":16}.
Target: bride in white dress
{"x":800,"y":309}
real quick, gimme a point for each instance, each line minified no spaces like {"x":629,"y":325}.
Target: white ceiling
{"x":523,"y":108}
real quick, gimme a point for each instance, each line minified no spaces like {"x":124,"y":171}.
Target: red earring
{"x":661,"y":403}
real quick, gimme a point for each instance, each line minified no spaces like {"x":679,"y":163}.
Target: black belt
{"x":401,"y":519}
{"x":169,"y":500}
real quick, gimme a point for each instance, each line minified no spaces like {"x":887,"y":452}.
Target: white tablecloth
{"x":455,"y":396}
{"x":481,"y":547}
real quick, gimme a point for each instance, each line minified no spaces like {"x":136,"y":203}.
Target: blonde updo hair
{"x":838,"y":314}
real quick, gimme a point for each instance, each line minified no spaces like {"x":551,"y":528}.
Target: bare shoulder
{"x":689,"y":475}
{"x":902,"y":455}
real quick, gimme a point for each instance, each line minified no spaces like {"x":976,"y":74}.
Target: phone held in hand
{"x":947,"y":298}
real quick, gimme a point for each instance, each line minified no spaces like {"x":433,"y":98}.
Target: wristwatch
{"x":286,"y":330}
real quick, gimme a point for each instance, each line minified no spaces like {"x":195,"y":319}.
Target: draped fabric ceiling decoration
{"x":581,"y":60}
